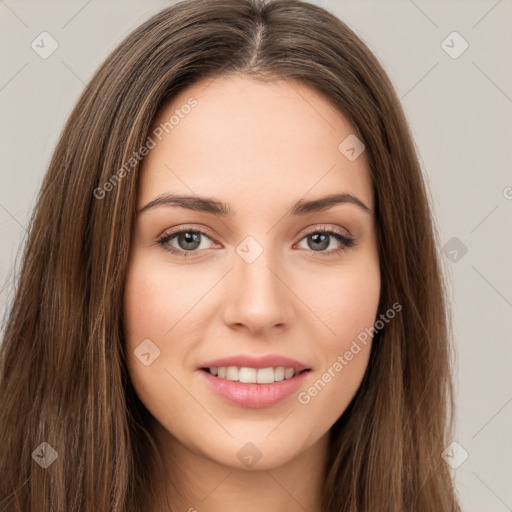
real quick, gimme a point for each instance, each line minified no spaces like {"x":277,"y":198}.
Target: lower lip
{"x":254,"y":395}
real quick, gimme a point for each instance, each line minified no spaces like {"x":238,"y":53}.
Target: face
{"x":254,"y":281}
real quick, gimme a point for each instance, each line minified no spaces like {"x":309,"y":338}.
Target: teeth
{"x":288,"y":373}
{"x":247,"y":374}
{"x":270,"y":375}
{"x":254,"y":375}
{"x":232,"y":373}
{"x":279,"y":373}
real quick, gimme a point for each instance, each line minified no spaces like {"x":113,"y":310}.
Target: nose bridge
{"x":257,"y":295}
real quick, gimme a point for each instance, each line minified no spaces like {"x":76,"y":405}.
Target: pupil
{"x":189,"y":237}
{"x":324,"y":243}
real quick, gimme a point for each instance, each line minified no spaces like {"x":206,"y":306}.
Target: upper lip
{"x":243,"y":360}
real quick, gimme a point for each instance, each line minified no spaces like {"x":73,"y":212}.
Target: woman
{"x":230,"y":295}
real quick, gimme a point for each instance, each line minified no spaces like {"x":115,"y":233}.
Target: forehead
{"x":251,"y":144}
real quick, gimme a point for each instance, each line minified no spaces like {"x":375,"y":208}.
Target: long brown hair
{"x":63,"y":373}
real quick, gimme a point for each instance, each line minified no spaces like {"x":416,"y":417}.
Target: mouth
{"x":249,"y":375}
{"x":258,"y":386}
{"x":253,"y":381}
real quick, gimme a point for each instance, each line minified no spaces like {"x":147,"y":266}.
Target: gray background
{"x":459,"y":110}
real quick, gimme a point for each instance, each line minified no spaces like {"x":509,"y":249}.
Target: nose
{"x":256,"y":296}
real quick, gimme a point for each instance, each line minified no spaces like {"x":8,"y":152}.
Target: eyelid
{"x":187,"y":227}
{"x":326,"y":227}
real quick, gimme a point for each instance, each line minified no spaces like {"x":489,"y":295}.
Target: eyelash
{"x":345,"y":241}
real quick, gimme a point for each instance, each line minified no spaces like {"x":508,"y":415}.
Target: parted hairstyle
{"x":63,"y":370}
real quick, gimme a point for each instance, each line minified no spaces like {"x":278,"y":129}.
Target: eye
{"x":320,"y":239}
{"x":188,"y":240}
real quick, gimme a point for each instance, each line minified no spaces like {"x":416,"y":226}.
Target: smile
{"x":253,"y":381}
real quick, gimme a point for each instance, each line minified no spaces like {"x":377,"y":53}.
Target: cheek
{"x":355,"y":306}
{"x":163,"y":316}
{"x":147,"y":317}
{"x":357,"y":311}
{"x":159,"y":330}
{"x":350,"y":310}
{"x":156,"y":298}
{"x":347,"y":303}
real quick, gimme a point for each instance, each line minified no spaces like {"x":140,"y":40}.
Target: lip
{"x":244,"y":360}
{"x":256,"y":396}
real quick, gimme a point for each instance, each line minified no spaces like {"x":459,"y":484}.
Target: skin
{"x":260,"y":148}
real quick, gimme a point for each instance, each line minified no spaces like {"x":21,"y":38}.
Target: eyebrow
{"x":216,"y":207}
